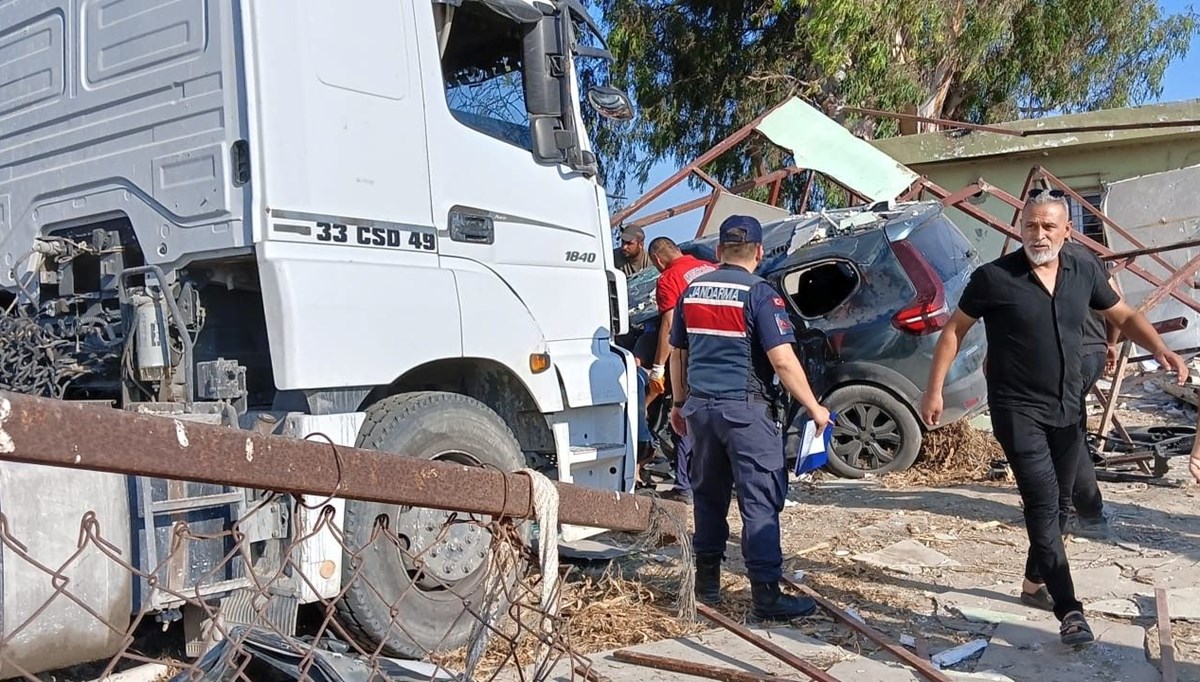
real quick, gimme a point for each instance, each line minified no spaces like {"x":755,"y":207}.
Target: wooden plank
{"x":1170,"y":671}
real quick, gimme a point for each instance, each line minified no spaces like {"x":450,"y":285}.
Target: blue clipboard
{"x":814,"y":452}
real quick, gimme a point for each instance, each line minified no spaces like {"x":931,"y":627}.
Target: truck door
{"x":535,"y":225}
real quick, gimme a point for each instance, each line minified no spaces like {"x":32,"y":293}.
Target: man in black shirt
{"x":1034,"y":302}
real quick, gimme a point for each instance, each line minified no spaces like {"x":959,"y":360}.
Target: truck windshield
{"x":481,"y":68}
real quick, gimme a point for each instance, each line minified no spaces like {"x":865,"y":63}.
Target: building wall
{"x":1082,"y":167}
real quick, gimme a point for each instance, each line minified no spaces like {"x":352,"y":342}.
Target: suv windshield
{"x":481,"y":68}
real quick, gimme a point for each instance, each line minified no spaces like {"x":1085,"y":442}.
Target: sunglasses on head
{"x":1054,"y":193}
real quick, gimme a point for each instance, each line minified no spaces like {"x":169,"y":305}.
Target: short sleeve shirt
{"x":1035,"y":340}
{"x":1095,"y":336}
{"x":675,"y":279}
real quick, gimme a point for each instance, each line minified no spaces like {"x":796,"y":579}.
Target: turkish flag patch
{"x":783,"y":323}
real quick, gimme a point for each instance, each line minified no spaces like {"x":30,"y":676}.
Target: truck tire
{"x":874,"y":432}
{"x":429,"y":614}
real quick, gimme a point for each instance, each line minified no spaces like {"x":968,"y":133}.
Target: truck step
{"x":188,"y":504}
{"x":593,"y":453}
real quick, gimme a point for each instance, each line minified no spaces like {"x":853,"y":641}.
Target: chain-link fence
{"x":220,"y":554}
{"x":465,"y":595}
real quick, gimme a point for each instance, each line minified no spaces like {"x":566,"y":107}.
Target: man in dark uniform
{"x":1033,"y":303}
{"x":730,"y":336}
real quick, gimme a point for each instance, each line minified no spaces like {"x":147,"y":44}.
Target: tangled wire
{"x":43,"y":357}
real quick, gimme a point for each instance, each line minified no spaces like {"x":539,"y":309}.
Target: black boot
{"x":708,"y":578}
{"x":770,"y":603}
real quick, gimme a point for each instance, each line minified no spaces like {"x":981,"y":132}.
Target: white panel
{"x":496,"y":325}
{"x":322,"y":546}
{"x":32,"y":57}
{"x":591,"y":374}
{"x":354,"y":316}
{"x":328,"y":146}
{"x":369,"y":58}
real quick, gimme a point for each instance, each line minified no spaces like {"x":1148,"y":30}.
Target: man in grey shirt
{"x":631,"y":257}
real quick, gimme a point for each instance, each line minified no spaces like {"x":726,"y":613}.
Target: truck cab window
{"x":481,"y":68}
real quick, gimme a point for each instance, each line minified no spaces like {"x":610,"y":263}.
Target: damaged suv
{"x":868,"y":290}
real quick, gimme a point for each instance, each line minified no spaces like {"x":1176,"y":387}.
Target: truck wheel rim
{"x":439,"y":554}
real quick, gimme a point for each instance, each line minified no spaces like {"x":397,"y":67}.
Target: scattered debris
{"x":955,"y":453}
{"x":960,"y":653}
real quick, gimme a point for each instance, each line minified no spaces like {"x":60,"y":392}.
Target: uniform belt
{"x":749,"y":398}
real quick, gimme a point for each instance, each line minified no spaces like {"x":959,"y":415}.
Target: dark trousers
{"x":1042,"y":458}
{"x":1086,"y":492}
{"x":736,"y":444}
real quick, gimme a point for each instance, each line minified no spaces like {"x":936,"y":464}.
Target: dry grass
{"x":956,"y":453}
{"x":599,"y":612}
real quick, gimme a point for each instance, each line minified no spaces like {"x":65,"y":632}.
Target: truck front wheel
{"x":413,"y":598}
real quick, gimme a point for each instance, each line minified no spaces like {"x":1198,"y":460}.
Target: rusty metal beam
{"x":675,"y":665}
{"x":923,"y":667}
{"x":708,"y":179}
{"x":1166,"y":645}
{"x":1153,"y":249}
{"x":699,"y":202}
{"x":704,"y":159}
{"x":59,"y":433}
{"x":766,"y":645}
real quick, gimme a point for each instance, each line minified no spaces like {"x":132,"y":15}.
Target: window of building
{"x":1084,"y":220}
{"x":822,"y":288}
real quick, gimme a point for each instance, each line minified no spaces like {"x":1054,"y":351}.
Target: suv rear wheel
{"x":874,"y":432}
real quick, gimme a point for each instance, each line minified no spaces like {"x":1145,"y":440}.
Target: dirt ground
{"x":948,"y":504}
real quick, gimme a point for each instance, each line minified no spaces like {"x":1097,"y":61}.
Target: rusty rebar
{"x":59,"y":433}
{"x":924,"y":667}
{"x":675,"y":665}
{"x":766,"y":645}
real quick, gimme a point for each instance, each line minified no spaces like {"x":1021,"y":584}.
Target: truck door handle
{"x":471,"y":228}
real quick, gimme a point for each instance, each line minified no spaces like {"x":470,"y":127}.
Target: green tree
{"x":699,"y":69}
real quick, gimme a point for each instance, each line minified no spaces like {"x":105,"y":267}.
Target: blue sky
{"x":1181,"y":81}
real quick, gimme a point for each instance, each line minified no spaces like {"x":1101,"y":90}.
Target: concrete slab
{"x":993,"y":604}
{"x":907,"y":556}
{"x":1105,"y":582}
{"x":1032,"y":651}
{"x":875,"y":671}
{"x":1184,"y":603}
{"x":1126,"y":608}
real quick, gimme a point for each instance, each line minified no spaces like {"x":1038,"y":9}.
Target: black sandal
{"x":1040,"y":599}
{"x":1074,"y":630}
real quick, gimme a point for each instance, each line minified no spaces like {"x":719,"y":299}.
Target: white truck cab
{"x":377,"y":220}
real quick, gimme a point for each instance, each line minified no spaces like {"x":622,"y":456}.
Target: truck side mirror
{"x":610,"y":103}
{"x":544,"y":76}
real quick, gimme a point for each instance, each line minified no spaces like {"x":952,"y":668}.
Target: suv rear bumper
{"x":963,"y":398}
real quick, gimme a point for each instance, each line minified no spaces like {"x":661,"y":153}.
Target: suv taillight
{"x":927,"y":313}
